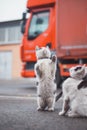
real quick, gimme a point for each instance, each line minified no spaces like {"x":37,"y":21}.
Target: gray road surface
{"x":18,"y":110}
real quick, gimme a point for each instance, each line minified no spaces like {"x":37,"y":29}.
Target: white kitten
{"x":74,"y":93}
{"x":45,"y":70}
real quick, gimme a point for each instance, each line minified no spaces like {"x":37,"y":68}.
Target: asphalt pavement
{"x":18,"y":87}
{"x":18,"y":109}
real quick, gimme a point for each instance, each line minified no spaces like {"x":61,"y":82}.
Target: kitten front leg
{"x":41,"y":104}
{"x":65,"y":107}
{"x":51,"y":103}
{"x":39,"y":73}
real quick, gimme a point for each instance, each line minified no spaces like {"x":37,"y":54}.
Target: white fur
{"x":46,"y":86}
{"x":43,"y":52}
{"x":77,"y":98}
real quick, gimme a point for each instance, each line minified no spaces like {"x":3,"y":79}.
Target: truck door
{"x":39,"y":32}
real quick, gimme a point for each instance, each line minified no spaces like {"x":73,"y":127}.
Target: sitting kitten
{"x":75,"y":95}
{"x":45,"y":69}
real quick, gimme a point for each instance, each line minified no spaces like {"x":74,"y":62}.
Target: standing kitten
{"x":75,"y":96}
{"x":45,"y":70}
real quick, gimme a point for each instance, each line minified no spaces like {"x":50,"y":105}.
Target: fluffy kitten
{"x":75,"y":93}
{"x":45,"y":69}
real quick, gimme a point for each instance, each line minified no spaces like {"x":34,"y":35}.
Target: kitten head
{"x":77,"y":72}
{"x":43,"y":52}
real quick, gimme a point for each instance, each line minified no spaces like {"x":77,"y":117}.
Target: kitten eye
{"x":78,"y":68}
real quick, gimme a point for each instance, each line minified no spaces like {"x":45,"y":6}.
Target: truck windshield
{"x":39,"y":24}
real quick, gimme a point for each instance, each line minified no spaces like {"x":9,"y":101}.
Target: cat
{"x":45,"y":69}
{"x":75,"y":93}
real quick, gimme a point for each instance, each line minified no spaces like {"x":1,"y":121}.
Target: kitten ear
{"x":84,"y":66}
{"x":47,"y":47}
{"x":37,"y":48}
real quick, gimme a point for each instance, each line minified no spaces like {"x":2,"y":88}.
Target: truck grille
{"x":30,"y":65}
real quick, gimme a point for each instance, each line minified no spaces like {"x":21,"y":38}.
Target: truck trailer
{"x":59,"y":24}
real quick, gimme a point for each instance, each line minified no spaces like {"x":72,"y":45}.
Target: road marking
{"x":18,"y":97}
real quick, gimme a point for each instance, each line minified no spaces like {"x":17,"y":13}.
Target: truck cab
{"x":59,"y":24}
{"x":38,"y":29}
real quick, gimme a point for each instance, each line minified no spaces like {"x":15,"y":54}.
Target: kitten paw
{"x":61,"y":113}
{"x":51,"y":109}
{"x":54,"y":58}
{"x":40,"y":109}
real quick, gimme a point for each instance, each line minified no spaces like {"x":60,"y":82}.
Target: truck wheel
{"x":58,"y":78}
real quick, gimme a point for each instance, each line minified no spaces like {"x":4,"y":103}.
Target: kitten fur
{"x":74,"y":99}
{"x":45,"y":69}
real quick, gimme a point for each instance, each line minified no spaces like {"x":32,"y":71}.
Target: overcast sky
{"x":11,"y":9}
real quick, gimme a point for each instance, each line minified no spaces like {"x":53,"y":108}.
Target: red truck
{"x":60,"y":24}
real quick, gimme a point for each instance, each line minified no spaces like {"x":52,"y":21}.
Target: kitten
{"x":74,"y":95}
{"x":45,"y":69}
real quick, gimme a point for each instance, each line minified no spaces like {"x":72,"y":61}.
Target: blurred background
{"x":10,"y":37}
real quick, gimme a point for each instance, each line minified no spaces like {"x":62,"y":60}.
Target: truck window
{"x":39,"y":23}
